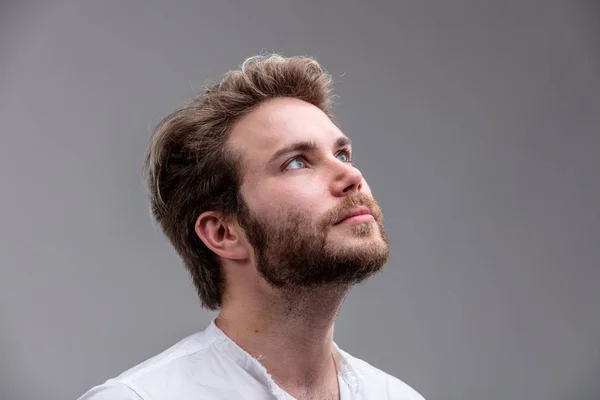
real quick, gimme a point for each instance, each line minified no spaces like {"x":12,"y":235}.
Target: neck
{"x":290,"y":331}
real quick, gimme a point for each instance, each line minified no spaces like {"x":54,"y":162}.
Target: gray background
{"x":476,"y":123}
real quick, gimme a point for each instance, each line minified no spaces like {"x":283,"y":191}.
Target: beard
{"x":292,"y":250}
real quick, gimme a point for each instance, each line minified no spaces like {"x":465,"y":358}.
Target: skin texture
{"x":288,"y":264}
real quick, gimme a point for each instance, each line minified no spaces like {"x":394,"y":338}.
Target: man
{"x":253,"y":183}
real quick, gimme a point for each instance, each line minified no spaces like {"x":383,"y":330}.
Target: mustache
{"x":348,"y":204}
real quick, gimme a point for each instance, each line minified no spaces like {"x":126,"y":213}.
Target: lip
{"x":362,"y":210}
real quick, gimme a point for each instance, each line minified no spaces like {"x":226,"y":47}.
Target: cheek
{"x":305,"y":197}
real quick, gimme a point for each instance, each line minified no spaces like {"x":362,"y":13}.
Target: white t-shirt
{"x":208,"y":365}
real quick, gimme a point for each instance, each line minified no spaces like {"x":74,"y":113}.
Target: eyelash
{"x":343,"y":151}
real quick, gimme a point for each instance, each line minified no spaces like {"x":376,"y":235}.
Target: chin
{"x":358,"y":244}
{"x":359,"y":231}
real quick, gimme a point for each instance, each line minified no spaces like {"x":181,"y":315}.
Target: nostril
{"x":352,"y":187}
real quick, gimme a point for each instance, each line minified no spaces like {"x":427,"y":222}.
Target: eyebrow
{"x":307,"y":146}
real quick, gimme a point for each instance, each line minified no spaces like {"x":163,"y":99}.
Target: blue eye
{"x":346,"y":154}
{"x":296,"y":160}
{"x":299,"y":162}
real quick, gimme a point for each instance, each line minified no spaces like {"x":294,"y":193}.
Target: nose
{"x":347,"y":180}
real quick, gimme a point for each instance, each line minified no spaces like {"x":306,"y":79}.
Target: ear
{"x":220,"y":235}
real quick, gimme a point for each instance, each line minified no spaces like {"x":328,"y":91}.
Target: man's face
{"x":294,"y":200}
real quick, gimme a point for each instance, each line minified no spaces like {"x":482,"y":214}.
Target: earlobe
{"x":220,"y":235}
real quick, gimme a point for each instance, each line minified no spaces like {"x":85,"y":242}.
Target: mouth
{"x":358,"y":215}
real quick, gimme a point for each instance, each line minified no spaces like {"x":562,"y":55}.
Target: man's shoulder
{"x":111,"y":391}
{"x":374,"y":377}
{"x":160,"y":369}
{"x":192,"y":347}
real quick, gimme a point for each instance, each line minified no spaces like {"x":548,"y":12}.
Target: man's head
{"x":254,"y":173}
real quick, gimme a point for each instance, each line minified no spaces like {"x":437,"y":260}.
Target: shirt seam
{"x":130,"y":380}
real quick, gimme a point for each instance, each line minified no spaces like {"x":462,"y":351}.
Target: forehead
{"x":280,"y":122}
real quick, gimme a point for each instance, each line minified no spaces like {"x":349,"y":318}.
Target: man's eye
{"x":299,"y":162}
{"x":346,"y":155}
{"x":296,"y":163}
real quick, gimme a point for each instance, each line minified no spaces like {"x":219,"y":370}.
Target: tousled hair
{"x":189,"y":169}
